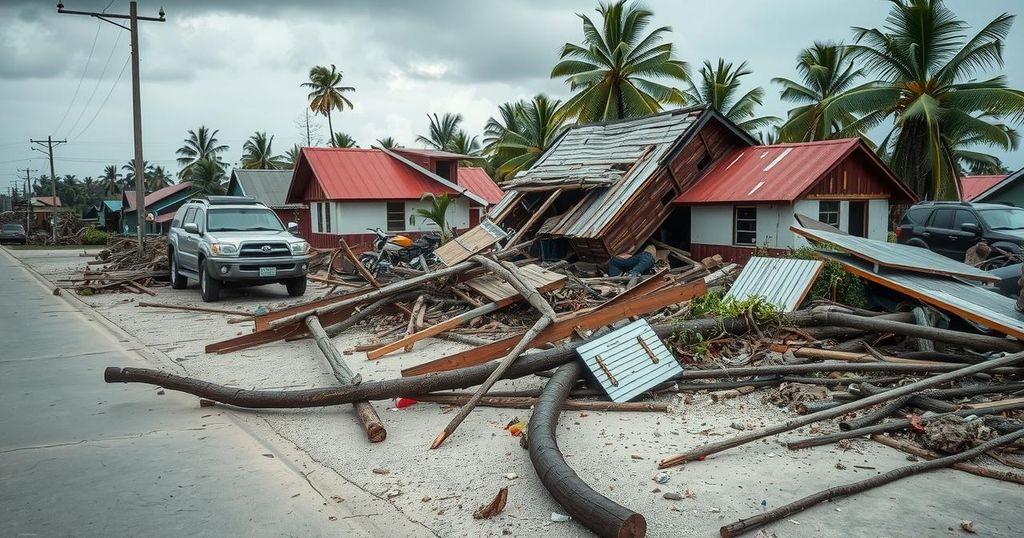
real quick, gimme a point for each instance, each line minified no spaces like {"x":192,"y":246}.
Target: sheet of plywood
{"x":496,"y":289}
{"x":480,"y":238}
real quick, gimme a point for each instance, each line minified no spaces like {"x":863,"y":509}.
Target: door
{"x":189,"y":243}
{"x":858,"y":221}
{"x":943,"y":236}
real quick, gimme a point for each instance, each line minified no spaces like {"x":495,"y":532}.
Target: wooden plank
{"x":496,"y":289}
{"x":482,"y":237}
{"x":533,"y":218}
{"x":564,"y":328}
{"x":263,"y":322}
{"x":292,"y":330}
{"x":347,"y":252}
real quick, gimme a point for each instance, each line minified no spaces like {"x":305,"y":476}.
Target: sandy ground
{"x":616,"y":453}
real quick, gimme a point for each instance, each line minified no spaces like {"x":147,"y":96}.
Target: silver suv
{"x":234,"y":239}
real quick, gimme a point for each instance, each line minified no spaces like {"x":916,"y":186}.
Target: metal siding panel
{"x":628,"y":361}
{"x":782,"y":282}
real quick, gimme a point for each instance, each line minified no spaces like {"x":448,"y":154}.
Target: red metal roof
{"x":431,"y":153}
{"x":47,"y":200}
{"x":972,"y":186}
{"x":155,"y":196}
{"x":776,"y":173}
{"x":479,"y":183}
{"x":359,"y":174}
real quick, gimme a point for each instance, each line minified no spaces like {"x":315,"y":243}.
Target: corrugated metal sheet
{"x":783,"y":282}
{"x":981,"y":188}
{"x":360,"y":174}
{"x":431,"y":153}
{"x":776,"y":173}
{"x":628,"y":362}
{"x":895,"y":255}
{"x":970,"y":301}
{"x":112,"y":205}
{"x":267,"y":186}
{"x":154,"y":196}
{"x":476,"y":180}
{"x":46,"y":200}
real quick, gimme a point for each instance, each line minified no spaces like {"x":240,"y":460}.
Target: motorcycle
{"x":389,"y":251}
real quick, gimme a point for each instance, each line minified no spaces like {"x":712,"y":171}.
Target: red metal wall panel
{"x":852,"y":176}
{"x":729,"y":253}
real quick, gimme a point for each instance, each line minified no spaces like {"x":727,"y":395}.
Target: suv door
{"x":947,"y":237}
{"x":937,"y":232}
{"x":188,"y":244}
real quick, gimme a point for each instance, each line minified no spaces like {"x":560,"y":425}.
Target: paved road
{"x":84,"y":458}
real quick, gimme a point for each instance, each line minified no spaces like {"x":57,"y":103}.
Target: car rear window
{"x":12,"y":227}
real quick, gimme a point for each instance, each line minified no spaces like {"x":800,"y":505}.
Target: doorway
{"x":858,"y":222}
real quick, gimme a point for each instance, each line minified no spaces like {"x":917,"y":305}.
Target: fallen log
{"x":526,"y":402}
{"x":205,"y":309}
{"x":977,"y":341}
{"x":876,"y":415}
{"x":868,"y":401}
{"x":595,"y":511}
{"x":911,"y":448}
{"x":744,"y":525}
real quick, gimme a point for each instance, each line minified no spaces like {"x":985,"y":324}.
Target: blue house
{"x":160,"y":208}
{"x":109,"y":216}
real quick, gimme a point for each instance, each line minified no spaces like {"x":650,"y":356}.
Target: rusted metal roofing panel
{"x":969,"y":301}
{"x":982,"y":188}
{"x":783,"y":282}
{"x":896,"y":255}
{"x":624,"y":366}
{"x":154,"y":196}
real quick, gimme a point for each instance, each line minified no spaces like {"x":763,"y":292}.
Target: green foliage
{"x":435,"y":213}
{"x":200,"y":145}
{"x":526,"y":129}
{"x":326,"y":92}
{"x":713,"y":304}
{"x":92,"y":236}
{"x":719,"y":87}
{"x":834,"y":283}
{"x":826,"y":70}
{"x":258,"y":153}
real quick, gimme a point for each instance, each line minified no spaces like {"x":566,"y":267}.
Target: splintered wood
{"x":472,"y":242}
{"x":496,"y":289}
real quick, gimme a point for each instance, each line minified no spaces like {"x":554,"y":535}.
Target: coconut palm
{"x":719,"y":86}
{"x":343,"y":140}
{"x":258,"y":153}
{"x":443,"y":131}
{"x":326,"y":92}
{"x":207,"y":177}
{"x":291,"y":157}
{"x":826,"y":70}
{"x":526,"y":130}
{"x":199,"y":145}
{"x":614,"y":70}
{"x":926,"y":67}
{"x":129,"y":173}
{"x":111,"y":180}
{"x":158,"y":178}
{"x":464,"y":144}
{"x":436,"y":213}
{"x":388,"y":143}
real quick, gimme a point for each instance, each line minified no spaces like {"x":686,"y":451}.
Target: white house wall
{"x":713,"y":225}
{"x":356,"y":217}
{"x":878,"y":219}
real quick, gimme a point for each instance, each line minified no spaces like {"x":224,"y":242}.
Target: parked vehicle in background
{"x":950,"y":228}
{"x":234,"y":240}
{"x":13,"y":233}
{"x":391,"y":250}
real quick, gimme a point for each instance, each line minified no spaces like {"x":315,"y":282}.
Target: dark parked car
{"x":13,"y":233}
{"x":950,"y":228}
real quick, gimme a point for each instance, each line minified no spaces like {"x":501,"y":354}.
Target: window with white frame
{"x":321,"y":217}
{"x":396,"y":216}
{"x":828,"y":212}
{"x":745,"y":225}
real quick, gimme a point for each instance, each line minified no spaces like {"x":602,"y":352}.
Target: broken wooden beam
{"x":526,"y":402}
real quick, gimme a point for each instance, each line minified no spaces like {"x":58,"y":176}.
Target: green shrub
{"x":92,"y":236}
{"x":834,"y":283}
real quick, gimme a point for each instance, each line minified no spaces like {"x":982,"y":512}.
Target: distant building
{"x":109,"y":216}
{"x":43,"y":209}
{"x":1006,"y":189}
{"x":159,"y":211}
{"x":270,"y":187}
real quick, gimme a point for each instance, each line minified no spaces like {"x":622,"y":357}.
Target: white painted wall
{"x":878,"y":219}
{"x":810,"y":209}
{"x":711,"y":224}
{"x":356,"y":217}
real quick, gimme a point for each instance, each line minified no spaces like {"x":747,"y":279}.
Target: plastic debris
{"x":661,"y":478}
{"x":559,"y":518}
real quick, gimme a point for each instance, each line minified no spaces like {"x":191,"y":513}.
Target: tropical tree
{"x":443,"y":131}
{"x":291,"y":157}
{"x":615,"y":71}
{"x":435,"y":213}
{"x":111,"y":180}
{"x":129,"y":173}
{"x":464,"y":144}
{"x":826,"y":70}
{"x":343,"y":140}
{"x":207,"y":177}
{"x":201,"y":144}
{"x":388,"y":143}
{"x":158,"y":178}
{"x":526,"y":129}
{"x":326,"y":92}
{"x":258,"y":153}
{"x":718,"y":86}
{"x":926,"y":68}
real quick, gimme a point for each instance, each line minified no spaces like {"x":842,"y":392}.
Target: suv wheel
{"x":296,"y":286}
{"x":178,"y":281}
{"x":209,"y":286}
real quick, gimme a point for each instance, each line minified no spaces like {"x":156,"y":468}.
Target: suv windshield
{"x":12,"y":227}
{"x":242,"y":220}
{"x":1004,"y":219}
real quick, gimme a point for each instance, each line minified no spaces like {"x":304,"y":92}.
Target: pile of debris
{"x":927,"y":378}
{"x":120,"y":268}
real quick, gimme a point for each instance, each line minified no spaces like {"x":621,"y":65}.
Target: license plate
{"x":268,"y":271}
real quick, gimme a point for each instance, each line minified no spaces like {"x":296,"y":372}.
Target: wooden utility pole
{"x":48,"y":144}
{"x":28,"y":199}
{"x":140,"y":169}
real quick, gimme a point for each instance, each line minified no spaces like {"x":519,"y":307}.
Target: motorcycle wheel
{"x":369,"y":261}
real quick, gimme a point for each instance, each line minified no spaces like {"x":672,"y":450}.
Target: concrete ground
{"x":437,"y":491}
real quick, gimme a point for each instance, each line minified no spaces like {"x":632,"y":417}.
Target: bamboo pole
{"x":367,"y":416}
{"x":748,"y":524}
{"x":911,"y":388}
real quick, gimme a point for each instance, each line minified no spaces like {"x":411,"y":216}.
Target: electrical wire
{"x":104,"y":103}
{"x":80,"y":79}
{"x":106,"y":64}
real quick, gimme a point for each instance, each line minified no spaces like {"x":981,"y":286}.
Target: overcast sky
{"x":236,"y":65}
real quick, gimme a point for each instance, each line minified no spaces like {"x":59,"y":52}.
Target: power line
{"x":80,"y":79}
{"x":106,"y":64}
{"x":104,"y":103}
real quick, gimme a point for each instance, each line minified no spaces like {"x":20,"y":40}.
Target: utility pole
{"x":28,"y":199}
{"x":140,"y":169}
{"x":48,"y":144}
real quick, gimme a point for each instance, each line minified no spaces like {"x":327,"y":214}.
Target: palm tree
{"x":925,"y":68}
{"x":525,"y":131}
{"x":388,"y":143}
{"x":129,"y":173}
{"x":291,"y":157}
{"x":259,"y":153}
{"x":326,"y":93}
{"x":199,"y":145}
{"x":718,"y":88}
{"x":435,"y":213}
{"x":158,"y":178}
{"x":616,"y":66}
{"x":826,"y":71}
{"x":111,"y":180}
{"x":343,"y":140}
{"x":463,"y":144}
{"x":207,"y":177}
{"x":443,"y":131}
